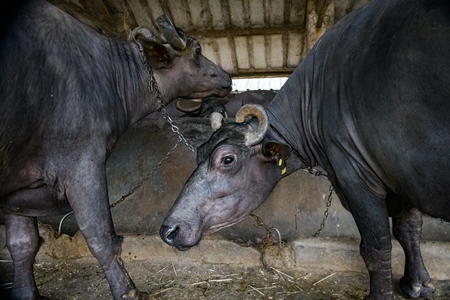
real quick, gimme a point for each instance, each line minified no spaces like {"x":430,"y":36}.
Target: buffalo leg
{"x":375,"y":249}
{"x":371,"y":217}
{"x":89,"y":201}
{"x":22,"y":240}
{"x":407,"y":229}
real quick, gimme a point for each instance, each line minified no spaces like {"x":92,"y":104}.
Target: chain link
{"x":269,"y":235}
{"x":326,"y":213}
{"x":175,"y":128}
{"x":316,"y":172}
{"x":321,"y":173}
{"x":153,"y":86}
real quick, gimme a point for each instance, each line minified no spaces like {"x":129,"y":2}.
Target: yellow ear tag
{"x":283,"y":171}
{"x":280,"y":162}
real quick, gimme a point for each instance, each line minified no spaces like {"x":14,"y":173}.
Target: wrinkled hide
{"x":66,"y":95}
{"x":370,"y":105}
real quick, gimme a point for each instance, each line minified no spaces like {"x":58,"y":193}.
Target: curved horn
{"x":254,"y":137}
{"x":216,"y":120}
{"x":169,"y":32}
{"x":189,"y":108}
{"x":141,"y":31}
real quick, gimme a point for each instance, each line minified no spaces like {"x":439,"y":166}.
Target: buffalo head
{"x":178,"y":62}
{"x":237,"y":169}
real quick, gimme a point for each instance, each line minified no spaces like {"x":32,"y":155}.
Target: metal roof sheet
{"x":245,"y":37}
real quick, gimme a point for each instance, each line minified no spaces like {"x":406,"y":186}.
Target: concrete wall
{"x":295,"y":208}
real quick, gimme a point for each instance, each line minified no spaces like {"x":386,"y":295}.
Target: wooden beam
{"x":246,"y":32}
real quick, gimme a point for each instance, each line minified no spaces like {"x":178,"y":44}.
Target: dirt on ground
{"x":82,"y":280}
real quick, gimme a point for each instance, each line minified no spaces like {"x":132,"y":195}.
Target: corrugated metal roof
{"x":251,"y":84}
{"x":245,"y":37}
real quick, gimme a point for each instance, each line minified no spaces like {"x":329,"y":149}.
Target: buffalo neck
{"x":291,"y":116}
{"x":133,"y":80}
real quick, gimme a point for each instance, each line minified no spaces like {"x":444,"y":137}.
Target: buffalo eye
{"x":198,"y":51}
{"x":227,"y":160}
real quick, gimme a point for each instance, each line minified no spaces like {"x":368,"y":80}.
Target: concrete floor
{"x":85,"y":280}
{"x":313,"y":268}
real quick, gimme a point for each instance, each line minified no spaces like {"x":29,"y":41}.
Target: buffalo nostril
{"x":169,"y":233}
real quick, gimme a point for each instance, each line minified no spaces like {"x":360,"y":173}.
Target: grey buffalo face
{"x":179,"y":63}
{"x":197,"y":76}
{"x":237,"y":171}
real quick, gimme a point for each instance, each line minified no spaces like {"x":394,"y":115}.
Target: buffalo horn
{"x":189,"y":108}
{"x":254,"y":137}
{"x":216,"y":119}
{"x":141,"y":32}
{"x":169,"y":32}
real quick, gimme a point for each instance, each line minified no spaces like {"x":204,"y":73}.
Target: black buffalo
{"x":66,"y":95}
{"x":370,"y":104}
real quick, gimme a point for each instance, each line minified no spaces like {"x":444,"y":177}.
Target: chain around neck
{"x":153,"y":87}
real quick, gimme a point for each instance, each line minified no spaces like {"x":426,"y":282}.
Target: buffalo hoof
{"x":415,"y":290}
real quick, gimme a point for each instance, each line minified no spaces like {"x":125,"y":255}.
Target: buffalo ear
{"x":277,"y":152}
{"x":156,"y":54}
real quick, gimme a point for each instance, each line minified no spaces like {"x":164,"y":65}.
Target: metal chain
{"x":320,"y":173}
{"x":326,"y":213}
{"x":153,"y":86}
{"x":174,"y":127}
{"x":269,"y":235}
{"x":316,"y":172}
